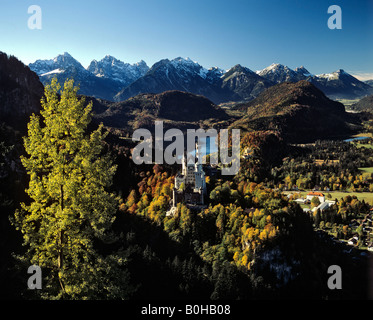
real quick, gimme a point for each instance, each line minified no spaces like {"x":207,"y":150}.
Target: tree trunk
{"x":60,"y":244}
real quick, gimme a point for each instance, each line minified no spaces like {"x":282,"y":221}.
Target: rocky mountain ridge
{"x":114,"y":80}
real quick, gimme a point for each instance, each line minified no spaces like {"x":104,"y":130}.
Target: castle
{"x":190,"y":183}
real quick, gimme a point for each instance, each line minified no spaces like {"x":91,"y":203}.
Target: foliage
{"x":328,"y":165}
{"x":240,"y":222}
{"x":68,"y":222}
{"x":250,"y":241}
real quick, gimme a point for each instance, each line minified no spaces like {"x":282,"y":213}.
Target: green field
{"x":365,"y":145}
{"x":366,"y":196}
{"x":348,"y":102}
{"x":367,"y":170}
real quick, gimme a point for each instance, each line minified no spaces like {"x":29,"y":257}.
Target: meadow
{"x":366,"y":196}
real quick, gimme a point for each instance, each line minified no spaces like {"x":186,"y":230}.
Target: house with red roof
{"x":312,"y":194}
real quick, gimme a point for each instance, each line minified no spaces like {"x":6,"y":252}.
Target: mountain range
{"x":114,"y":69}
{"x":114,"y":80}
{"x":298,"y":111}
{"x":101,"y":79}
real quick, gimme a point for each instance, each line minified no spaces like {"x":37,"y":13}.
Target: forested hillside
{"x":100,"y":225}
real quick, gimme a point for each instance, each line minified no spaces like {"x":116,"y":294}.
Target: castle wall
{"x":193,"y":177}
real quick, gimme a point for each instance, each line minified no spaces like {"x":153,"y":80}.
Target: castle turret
{"x":174,"y":200}
{"x":192,"y":178}
{"x":184,"y":164}
{"x":198,"y":162}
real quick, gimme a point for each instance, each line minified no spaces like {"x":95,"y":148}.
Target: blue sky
{"x":253,"y":33}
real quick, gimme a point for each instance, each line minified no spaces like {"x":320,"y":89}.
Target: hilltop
{"x":20,"y":92}
{"x":299,"y":111}
{"x":365,"y":105}
{"x":178,"y":109}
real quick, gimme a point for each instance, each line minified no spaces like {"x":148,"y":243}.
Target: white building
{"x":312,"y":194}
{"x":192,"y":174}
{"x":323,"y":206}
{"x":190,"y":183}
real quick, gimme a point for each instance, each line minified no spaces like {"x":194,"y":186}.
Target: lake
{"x":207,"y":145}
{"x":356,"y":139}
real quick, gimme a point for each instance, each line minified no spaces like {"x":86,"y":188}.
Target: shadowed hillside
{"x":178,"y":109}
{"x":298,"y":111}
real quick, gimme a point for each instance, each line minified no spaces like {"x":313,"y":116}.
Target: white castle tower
{"x":191,"y":175}
{"x":199,"y":174}
{"x":190,"y":183}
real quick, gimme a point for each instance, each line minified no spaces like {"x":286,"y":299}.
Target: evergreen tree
{"x":71,"y":211}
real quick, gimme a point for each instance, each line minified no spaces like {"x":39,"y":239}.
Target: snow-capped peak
{"x":334,"y":75}
{"x":274,"y":68}
{"x":303,"y":71}
{"x":65,"y":60}
{"x":185,"y":63}
{"x":216,"y":70}
{"x":186,"y":66}
{"x":111,"y":67}
{"x":60,"y":63}
{"x":280,"y":73}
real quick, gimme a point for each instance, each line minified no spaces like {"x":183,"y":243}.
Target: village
{"x":313,"y":201}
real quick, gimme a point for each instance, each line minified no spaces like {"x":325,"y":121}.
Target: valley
{"x":250,"y":240}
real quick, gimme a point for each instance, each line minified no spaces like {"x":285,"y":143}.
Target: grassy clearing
{"x":366,"y":196}
{"x":367,"y":170}
{"x":348,"y":102}
{"x":364,"y":134}
{"x":365,"y":145}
